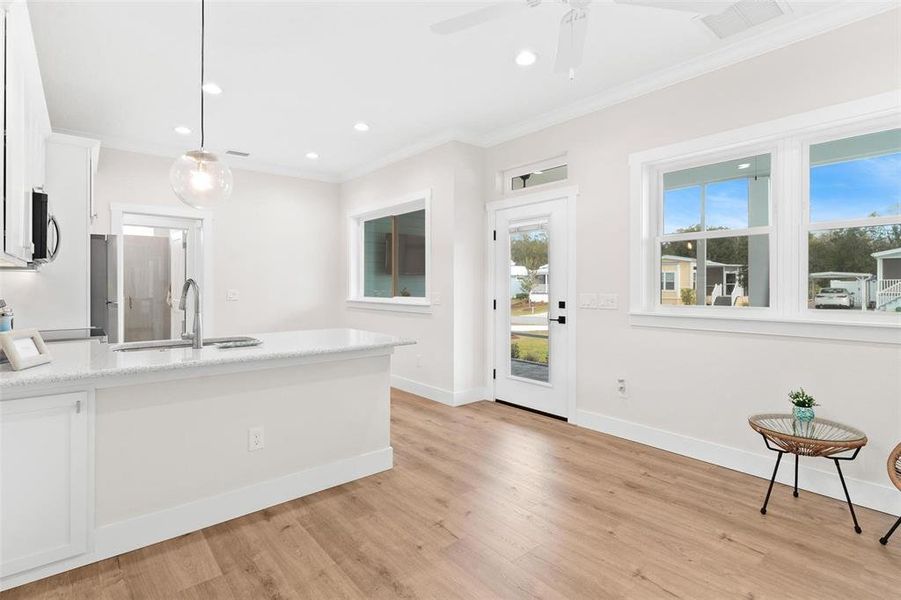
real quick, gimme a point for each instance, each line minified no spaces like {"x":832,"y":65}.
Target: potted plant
{"x":802,"y":405}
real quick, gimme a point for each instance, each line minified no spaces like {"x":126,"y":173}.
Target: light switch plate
{"x":232,"y":295}
{"x":588,"y":300}
{"x":607,"y":301}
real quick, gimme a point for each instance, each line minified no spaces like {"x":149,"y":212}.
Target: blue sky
{"x":855,"y":189}
{"x":727,"y":206}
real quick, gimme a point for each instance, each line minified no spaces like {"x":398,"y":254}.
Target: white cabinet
{"x":44,"y":480}
{"x":27,"y":126}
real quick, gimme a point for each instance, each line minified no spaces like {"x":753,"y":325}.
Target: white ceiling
{"x":297,"y":76}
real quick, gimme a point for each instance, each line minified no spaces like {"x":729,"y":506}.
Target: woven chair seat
{"x":820,"y":437}
{"x":894,"y":466}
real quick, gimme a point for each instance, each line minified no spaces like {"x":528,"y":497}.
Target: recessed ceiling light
{"x":744,"y":165}
{"x":211,"y":88}
{"x":526,"y":58}
{"x":182,"y":130}
{"x":361,"y":126}
{"x":312,"y":155}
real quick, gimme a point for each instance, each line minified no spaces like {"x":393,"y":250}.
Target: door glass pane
{"x":154,"y":271}
{"x":529,"y":294}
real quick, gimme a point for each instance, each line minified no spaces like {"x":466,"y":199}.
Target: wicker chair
{"x":894,"y":473}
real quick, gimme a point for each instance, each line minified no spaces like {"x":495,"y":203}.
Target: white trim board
{"x":124,"y":536}
{"x":441,"y":395}
{"x":823,"y":481}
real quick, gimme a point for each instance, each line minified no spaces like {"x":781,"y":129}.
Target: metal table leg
{"x":847,"y":497}
{"x":772,"y":481}
{"x":884,"y":539}
{"x":797,"y":456}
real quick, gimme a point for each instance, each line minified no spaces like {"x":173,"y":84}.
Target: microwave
{"x":45,"y":235}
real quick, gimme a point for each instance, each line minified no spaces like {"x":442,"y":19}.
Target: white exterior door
{"x":531,"y":332}
{"x":44,"y":480}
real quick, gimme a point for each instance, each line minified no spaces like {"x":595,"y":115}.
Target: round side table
{"x":783,"y":434}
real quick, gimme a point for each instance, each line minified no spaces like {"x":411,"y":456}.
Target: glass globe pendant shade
{"x":200,"y":179}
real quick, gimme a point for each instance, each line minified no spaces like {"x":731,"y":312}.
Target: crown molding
{"x":411,"y":150}
{"x":234,"y":162}
{"x":766,"y":41}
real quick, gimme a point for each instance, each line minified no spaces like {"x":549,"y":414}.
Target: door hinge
{"x":495,"y":235}
{"x":78,"y":407}
{"x":495,"y":304}
{"x":494,"y":373}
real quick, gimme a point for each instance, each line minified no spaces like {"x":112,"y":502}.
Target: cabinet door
{"x":18,"y":234}
{"x":44,"y":480}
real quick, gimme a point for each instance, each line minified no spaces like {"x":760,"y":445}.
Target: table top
{"x":820,"y":437}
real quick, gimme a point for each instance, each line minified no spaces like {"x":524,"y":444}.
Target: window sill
{"x":887,"y":331}
{"x":406,"y":305}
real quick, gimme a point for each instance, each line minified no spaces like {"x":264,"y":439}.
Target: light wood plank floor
{"x":487,"y":501}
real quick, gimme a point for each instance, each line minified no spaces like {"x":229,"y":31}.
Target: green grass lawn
{"x":531,"y":348}
{"x":520,"y":308}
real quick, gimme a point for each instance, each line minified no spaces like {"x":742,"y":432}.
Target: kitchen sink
{"x":221,"y":342}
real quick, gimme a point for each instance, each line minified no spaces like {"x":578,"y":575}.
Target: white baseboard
{"x":438,"y":394}
{"x":138,"y":532}
{"x":883,"y":498}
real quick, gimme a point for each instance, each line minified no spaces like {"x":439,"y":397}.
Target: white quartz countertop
{"x":92,"y":361}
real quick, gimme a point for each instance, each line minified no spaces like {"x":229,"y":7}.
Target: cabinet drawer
{"x":44,"y":480}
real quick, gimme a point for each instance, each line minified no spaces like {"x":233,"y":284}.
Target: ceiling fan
{"x":573,"y":25}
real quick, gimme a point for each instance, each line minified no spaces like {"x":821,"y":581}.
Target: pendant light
{"x":198,"y":177}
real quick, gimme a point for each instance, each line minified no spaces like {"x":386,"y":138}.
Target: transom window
{"x":548,"y":171}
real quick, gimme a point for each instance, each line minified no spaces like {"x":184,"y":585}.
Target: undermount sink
{"x":221,"y":342}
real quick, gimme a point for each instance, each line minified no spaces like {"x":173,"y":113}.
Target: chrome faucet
{"x":197,"y":336}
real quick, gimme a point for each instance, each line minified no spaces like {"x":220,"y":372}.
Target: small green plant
{"x":801,"y":399}
{"x":688,"y":296}
{"x":515,"y":352}
{"x":531,"y":357}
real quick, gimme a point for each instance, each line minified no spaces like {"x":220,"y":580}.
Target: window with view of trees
{"x":854,"y":229}
{"x":714,"y":234}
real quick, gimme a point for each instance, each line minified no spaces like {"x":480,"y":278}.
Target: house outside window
{"x":390,"y":254}
{"x":854,"y":226}
{"x":788,"y":227}
{"x":715,"y":233}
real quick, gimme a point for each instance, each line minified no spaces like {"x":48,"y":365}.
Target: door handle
{"x":561,"y":320}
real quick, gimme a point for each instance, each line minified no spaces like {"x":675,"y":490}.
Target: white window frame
{"x":410,"y":203}
{"x":787,"y":140}
{"x":550,"y":163}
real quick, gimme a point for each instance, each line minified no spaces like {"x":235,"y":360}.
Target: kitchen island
{"x":104,"y":452}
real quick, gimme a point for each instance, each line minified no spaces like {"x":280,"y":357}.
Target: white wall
{"x":705,"y":385}
{"x":452,"y":172}
{"x":270,"y":241}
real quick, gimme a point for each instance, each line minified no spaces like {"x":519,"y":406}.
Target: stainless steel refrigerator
{"x":104,"y":286}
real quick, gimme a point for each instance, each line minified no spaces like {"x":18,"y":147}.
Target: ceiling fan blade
{"x":571,"y":43}
{"x":699,"y":7}
{"x":477,"y":17}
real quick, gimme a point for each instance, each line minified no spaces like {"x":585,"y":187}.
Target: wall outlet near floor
{"x":621,"y":388}
{"x":254,"y":439}
{"x":232,"y":295}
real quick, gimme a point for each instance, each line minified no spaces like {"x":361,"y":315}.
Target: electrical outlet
{"x":254,"y":439}
{"x":621,"y":388}
{"x":232,"y":295}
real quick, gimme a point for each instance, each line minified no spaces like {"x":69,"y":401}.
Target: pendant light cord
{"x":202,"y":64}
